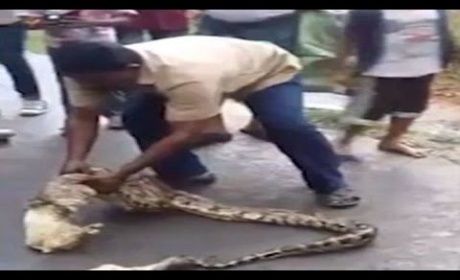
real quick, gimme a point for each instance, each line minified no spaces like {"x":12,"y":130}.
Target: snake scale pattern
{"x":50,"y":225}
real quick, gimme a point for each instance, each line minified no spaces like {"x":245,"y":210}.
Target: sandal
{"x":342,"y":198}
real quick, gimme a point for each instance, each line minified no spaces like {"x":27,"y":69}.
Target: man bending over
{"x":180,"y":85}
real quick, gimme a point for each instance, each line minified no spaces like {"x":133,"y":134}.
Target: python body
{"x":50,"y":225}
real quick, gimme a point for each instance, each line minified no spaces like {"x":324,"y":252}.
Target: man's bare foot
{"x":401,"y":148}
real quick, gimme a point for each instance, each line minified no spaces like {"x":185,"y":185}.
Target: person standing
{"x":14,"y":34}
{"x":399,"y":53}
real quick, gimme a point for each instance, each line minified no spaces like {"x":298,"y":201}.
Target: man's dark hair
{"x":87,"y":57}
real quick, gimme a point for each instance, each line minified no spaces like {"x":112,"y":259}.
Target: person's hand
{"x":105,"y":183}
{"x":75,"y":167}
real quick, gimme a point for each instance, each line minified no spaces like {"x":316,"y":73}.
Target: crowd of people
{"x":160,"y":75}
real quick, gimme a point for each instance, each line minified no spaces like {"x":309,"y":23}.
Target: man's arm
{"x":82,"y":132}
{"x":191,"y":110}
{"x":83,"y":126}
{"x":184,"y":135}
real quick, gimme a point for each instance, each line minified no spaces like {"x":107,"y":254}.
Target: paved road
{"x":413,"y":202}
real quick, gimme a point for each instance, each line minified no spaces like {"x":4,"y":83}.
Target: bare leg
{"x":393,"y":142}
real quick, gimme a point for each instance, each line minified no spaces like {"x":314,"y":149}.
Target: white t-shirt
{"x":411,"y":45}
{"x":246,"y":15}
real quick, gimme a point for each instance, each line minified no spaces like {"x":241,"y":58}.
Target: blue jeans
{"x":280,"y":110}
{"x":143,"y":118}
{"x":12,"y":57}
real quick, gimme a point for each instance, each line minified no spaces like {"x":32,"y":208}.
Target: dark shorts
{"x":374,"y":98}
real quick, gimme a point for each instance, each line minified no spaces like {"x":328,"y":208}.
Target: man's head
{"x":106,"y":65}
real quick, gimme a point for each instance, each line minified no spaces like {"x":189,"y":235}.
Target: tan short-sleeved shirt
{"x":196,"y":73}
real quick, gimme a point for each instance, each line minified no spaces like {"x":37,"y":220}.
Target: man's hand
{"x":75,"y":167}
{"x":105,"y":184}
{"x":82,"y":133}
{"x":185,"y":135}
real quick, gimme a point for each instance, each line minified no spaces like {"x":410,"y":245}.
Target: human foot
{"x":401,"y":148}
